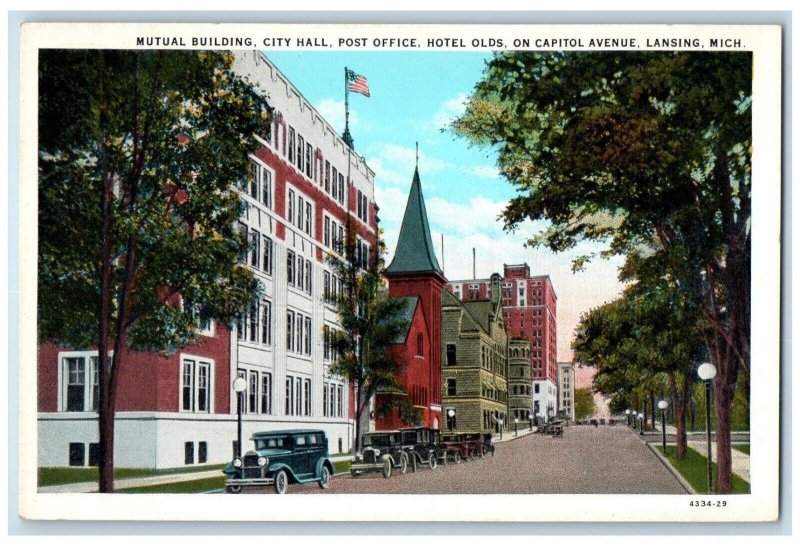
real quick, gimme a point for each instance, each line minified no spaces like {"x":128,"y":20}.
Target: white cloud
{"x":448,"y":111}
{"x":484,"y":171}
{"x":394,"y":164}
{"x":333,"y":111}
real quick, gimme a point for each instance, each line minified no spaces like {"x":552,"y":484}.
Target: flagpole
{"x":348,"y":139}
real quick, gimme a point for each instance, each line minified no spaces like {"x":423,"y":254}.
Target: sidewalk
{"x":91,"y":487}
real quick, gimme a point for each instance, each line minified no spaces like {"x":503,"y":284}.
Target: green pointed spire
{"x":414,"y":252}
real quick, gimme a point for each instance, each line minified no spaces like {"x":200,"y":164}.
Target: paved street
{"x":587,"y":459}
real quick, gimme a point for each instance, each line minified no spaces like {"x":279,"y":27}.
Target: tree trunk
{"x":680,"y":405}
{"x":727,"y":365}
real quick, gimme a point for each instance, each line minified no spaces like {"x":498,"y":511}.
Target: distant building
{"x":475,"y":354}
{"x":414,"y":275}
{"x":529,"y":312}
{"x":566,"y":390}
{"x":520,"y":400}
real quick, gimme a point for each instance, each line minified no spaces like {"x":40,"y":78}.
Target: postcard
{"x":400,"y":272}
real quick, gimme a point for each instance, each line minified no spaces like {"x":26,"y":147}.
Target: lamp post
{"x":530,"y":421}
{"x":707,"y":372}
{"x":239,"y":386}
{"x":641,"y":419}
{"x":500,"y":423}
{"x":628,"y":416}
{"x":662,"y":405}
{"x":516,"y":420}
{"x":450,"y":414}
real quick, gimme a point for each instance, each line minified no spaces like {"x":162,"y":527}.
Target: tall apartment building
{"x":179,"y":410}
{"x":566,"y":390}
{"x":529,"y":311}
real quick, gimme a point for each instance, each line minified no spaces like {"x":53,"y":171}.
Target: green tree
{"x":370,"y":325}
{"x":584,"y":404}
{"x":138,"y":152}
{"x":642,"y":344}
{"x":632,"y":149}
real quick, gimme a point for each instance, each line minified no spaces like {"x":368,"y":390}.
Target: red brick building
{"x":414,"y":274}
{"x":529,"y":311}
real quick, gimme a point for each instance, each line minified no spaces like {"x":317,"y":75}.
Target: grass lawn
{"x":744,"y":448}
{"x":693,"y":468}
{"x":59,"y":476}
{"x":194,"y":486}
{"x":340,"y":467}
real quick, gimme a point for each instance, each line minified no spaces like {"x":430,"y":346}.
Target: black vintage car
{"x":422,"y":446}
{"x":381,"y":451}
{"x":280,"y":458}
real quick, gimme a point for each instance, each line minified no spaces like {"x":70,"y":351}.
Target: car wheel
{"x":281,"y":482}
{"x":444,"y":460}
{"x":403,"y":463}
{"x":354,"y":473}
{"x":387,"y":468}
{"x":432,"y":460}
{"x":234,"y":489}
{"x":325,"y":478}
{"x":457,"y":457}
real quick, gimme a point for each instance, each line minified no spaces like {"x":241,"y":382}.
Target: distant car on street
{"x":280,"y":458}
{"x":381,"y":451}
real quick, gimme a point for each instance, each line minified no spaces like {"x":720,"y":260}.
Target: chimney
{"x":494,"y":293}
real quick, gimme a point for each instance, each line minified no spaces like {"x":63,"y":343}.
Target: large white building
{"x":180,"y":410}
{"x":566,"y":390}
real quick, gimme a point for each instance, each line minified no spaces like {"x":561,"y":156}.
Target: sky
{"x":413,"y":96}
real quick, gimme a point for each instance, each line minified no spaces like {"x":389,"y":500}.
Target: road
{"x":601,"y":460}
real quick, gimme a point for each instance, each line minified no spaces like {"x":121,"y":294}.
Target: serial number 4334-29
{"x":708,"y":504}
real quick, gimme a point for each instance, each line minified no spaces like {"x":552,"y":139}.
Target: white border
{"x":760,"y":505}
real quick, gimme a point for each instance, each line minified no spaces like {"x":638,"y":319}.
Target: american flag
{"x":357,"y":83}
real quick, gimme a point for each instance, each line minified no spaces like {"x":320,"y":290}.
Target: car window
{"x":312,"y":440}
{"x":300,"y":441}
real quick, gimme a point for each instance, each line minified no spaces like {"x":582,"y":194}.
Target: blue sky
{"x":413,"y":97}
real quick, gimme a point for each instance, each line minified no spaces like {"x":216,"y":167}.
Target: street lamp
{"x":239,"y":386}
{"x":662,"y":405}
{"x":500,"y":424}
{"x":641,"y":419}
{"x":530,"y":421}
{"x":450,"y":414}
{"x":628,"y":416}
{"x":707,"y":372}
{"x":516,"y":420}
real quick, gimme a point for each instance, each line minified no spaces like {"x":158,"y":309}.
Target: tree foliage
{"x":636,"y":151}
{"x":584,"y":404}
{"x":370,"y":325}
{"x":138,"y":156}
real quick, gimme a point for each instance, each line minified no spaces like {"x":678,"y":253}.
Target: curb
{"x":689,"y":489}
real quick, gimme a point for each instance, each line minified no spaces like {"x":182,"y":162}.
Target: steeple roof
{"x":414,"y":251}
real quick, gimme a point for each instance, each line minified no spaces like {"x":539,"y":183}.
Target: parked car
{"x":422,"y":446}
{"x":381,"y":451}
{"x":474,"y":442}
{"x":462,"y":447}
{"x":281,"y":458}
{"x":488,"y":446}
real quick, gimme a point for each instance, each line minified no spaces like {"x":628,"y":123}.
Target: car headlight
{"x":237,"y":463}
{"x":358,"y":456}
{"x":262,"y":461}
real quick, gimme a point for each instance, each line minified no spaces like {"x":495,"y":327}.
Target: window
{"x":253,"y":322}
{"x":309,"y":161}
{"x":290,"y":145}
{"x":327,"y":232}
{"x":254,"y":179}
{"x":77,"y":454}
{"x":300,"y":210}
{"x":451,"y":354}
{"x":307,"y":397}
{"x":298,"y":397}
{"x":326,"y":287}
{"x":327,"y":176}
{"x":308,"y":218}
{"x":308,"y":276}
{"x":243,"y":250}
{"x":341,"y":188}
{"x":290,"y":207}
{"x":451,"y":387}
{"x":202,"y":452}
{"x":196,"y":386}
{"x":331,"y":401}
{"x":290,"y":330}
{"x":536,"y":388}
{"x":252,"y":393}
{"x":299,"y":272}
{"x":420,"y":346}
{"x":266,"y":393}
{"x":325,"y":399}
{"x":267,"y":257}
{"x":290,"y":267}
{"x":334,"y":185}
{"x":188,"y":453}
{"x":80,"y":382}
{"x":289,"y":394}
{"x":301,"y":144}
{"x":94,"y":454}
{"x":326,"y":345}
{"x":266,"y":322}
{"x":266,"y":187}
{"x":299,"y":334}
{"x":339,"y":400}
{"x":307,"y":336}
